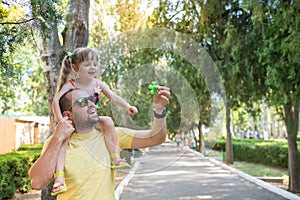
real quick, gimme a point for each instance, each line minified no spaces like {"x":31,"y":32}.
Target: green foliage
{"x":15,"y":33}
{"x":18,"y":166}
{"x":18,"y":19}
{"x":275,"y":35}
{"x":271,"y":153}
{"x":8,"y":187}
{"x":14,"y":170}
{"x":259,"y":170}
{"x":130,"y":15}
{"x":184,"y":17}
{"x":11,"y":38}
{"x":31,"y":147}
{"x":199,"y":87}
{"x":33,"y":83}
{"x":46,"y":15}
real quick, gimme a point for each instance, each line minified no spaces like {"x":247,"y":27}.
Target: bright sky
{"x":109,"y":20}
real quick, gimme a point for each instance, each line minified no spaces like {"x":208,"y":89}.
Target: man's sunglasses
{"x":83,"y":101}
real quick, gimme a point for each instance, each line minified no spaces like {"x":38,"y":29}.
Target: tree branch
{"x":175,"y":15}
{"x":20,"y":22}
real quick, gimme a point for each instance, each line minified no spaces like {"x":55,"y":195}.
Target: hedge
{"x":272,"y":153}
{"x":14,"y":168}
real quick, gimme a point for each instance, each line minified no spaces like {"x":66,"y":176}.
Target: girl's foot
{"x":59,"y":185}
{"x":119,"y":163}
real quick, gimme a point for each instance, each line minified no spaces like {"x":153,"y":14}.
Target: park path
{"x":167,"y":174}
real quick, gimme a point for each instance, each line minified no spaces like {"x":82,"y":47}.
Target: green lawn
{"x":252,"y":169}
{"x":260,"y":170}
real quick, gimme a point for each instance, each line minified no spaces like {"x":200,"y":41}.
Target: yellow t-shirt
{"x":87,"y":169}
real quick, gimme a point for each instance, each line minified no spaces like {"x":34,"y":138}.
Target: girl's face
{"x":88,"y":69}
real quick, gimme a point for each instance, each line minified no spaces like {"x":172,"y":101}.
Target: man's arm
{"x":157,"y":134}
{"x":41,"y":172}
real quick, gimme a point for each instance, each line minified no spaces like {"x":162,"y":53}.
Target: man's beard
{"x":89,"y":122}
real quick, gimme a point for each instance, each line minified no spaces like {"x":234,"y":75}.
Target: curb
{"x":252,"y":179}
{"x":125,"y":181}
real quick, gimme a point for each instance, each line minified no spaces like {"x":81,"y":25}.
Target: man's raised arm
{"x":157,"y":134}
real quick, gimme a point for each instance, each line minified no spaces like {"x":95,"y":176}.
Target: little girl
{"x":84,"y":62}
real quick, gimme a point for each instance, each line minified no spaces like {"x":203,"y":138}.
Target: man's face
{"x":83,"y":109}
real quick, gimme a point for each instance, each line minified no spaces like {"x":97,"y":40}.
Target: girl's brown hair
{"x":71,"y":63}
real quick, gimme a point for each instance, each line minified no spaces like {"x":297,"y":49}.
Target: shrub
{"x":271,"y":153}
{"x":14,"y":168}
{"x":7,"y":186}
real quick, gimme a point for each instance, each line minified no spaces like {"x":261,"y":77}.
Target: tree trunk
{"x":229,"y":148}
{"x":51,"y":57}
{"x":76,"y":32}
{"x":75,"y":35}
{"x":198,"y":142}
{"x":291,"y":120}
{"x":201,"y":139}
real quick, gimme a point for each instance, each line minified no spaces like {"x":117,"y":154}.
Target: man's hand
{"x":64,"y":128}
{"x":163,"y":96}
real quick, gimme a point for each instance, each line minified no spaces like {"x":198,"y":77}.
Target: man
{"x":87,"y":166}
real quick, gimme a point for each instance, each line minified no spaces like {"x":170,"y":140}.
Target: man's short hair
{"x":64,"y":101}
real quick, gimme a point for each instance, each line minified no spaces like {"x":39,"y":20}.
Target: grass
{"x":253,"y":169}
{"x":260,"y":170}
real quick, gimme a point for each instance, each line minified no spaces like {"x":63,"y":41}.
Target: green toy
{"x":152,"y":88}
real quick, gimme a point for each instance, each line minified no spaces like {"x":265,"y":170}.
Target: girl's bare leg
{"x":59,"y":182}
{"x":111,"y":141}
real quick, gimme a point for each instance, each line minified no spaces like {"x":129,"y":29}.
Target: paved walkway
{"x":167,"y":174}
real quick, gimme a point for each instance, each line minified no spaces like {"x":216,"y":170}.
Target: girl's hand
{"x":132,"y":110}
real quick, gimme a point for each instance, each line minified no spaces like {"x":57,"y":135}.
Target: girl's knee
{"x":106,"y":122}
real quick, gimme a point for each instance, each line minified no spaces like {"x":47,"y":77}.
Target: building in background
{"x":19,"y":130}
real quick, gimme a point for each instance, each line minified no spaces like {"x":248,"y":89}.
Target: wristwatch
{"x":162,"y":115}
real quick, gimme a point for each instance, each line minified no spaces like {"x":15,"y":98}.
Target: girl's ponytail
{"x":65,"y":72}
